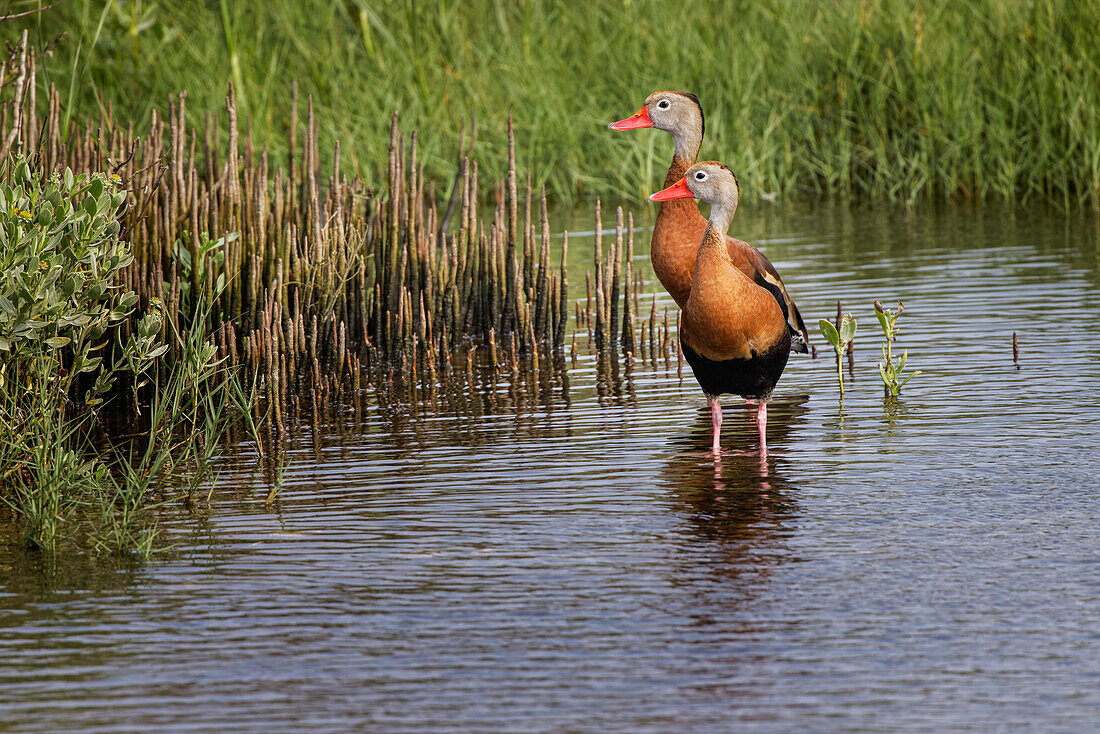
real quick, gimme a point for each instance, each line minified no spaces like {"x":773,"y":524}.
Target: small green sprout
{"x":839,"y":338}
{"x":891,"y":372}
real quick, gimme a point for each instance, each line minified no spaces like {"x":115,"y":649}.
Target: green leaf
{"x":883,"y":322}
{"x":847,"y":328}
{"x":95,"y":187}
{"x":90,"y":365}
{"x":58,"y":341}
{"x":829,"y":332}
{"x":910,"y":377}
{"x":69,"y":287}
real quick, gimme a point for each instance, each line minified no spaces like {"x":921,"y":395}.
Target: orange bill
{"x":637,"y":120}
{"x":678,"y":190}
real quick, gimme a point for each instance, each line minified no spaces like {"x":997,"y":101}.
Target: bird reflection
{"x":738,"y":508}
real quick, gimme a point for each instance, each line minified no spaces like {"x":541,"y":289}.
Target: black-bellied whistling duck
{"x":680,"y":226}
{"x":734,"y":332}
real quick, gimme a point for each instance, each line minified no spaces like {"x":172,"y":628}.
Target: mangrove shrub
{"x":65,"y":337}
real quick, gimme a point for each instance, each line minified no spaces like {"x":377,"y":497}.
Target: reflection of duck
{"x":732,"y":470}
{"x":731,"y":497}
{"x":736,"y":522}
{"x":738,"y":510}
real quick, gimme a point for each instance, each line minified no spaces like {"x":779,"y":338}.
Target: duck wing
{"x":757,"y":266}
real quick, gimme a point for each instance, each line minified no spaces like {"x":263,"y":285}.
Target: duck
{"x":734,"y":332}
{"x":679,"y":225}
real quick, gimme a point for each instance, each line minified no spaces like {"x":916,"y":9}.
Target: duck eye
{"x":664,"y":104}
{"x":700,"y":176}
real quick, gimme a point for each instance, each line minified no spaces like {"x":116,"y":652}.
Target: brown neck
{"x":677,"y":170}
{"x":714,"y":240}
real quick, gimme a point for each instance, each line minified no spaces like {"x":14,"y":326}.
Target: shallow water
{"x":569,"y":557}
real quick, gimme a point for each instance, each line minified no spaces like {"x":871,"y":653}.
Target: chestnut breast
{"x":727,"y":315}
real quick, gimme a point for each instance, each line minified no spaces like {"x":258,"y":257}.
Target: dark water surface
{"x":569,"y":558}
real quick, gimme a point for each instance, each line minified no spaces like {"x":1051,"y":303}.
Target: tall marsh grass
{"x":890,"y":99}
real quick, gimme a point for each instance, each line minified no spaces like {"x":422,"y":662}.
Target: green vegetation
{"x":891,"y":99}
{"x":72,"y":344}
{"x":889,"y":370}
{"x":839,"y":337}
{"x":318,"y":284}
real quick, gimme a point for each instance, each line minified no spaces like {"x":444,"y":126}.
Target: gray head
{"x":677,"y":113}
{"x":712,"y":182}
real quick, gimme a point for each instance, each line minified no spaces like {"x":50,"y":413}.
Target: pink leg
{"x":715,"y":421}
{"x":762,"y":425}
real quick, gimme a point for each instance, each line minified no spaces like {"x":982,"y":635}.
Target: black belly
{"x":753,"y":378}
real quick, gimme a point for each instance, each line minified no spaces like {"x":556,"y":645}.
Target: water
{"x":569,"y":558}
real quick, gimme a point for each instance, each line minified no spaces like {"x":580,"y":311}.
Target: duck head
{"x":677,"y":113}
{"x":712,"y":182}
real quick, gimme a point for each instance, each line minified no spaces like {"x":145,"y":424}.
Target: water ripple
{"x":574,"y":560}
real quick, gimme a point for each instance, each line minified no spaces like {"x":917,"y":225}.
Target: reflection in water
{"x":32,"y":577}
{"x":895,"y":412}
{"x":739,"y":508}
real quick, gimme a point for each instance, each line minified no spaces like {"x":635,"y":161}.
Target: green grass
{"x":882,"y":98}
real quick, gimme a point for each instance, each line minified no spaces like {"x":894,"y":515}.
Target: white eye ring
{"x":664,"y":104}
{"x":700,"y":176}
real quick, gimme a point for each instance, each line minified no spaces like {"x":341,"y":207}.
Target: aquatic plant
{"x":839,"y":337}
{"x":324,"y":281}
{"x":191,"y":411}
{"x":59,"y":257}
{"x":297,"y":285}
{"x":890,"y":371}
{"x":329,"y":278}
